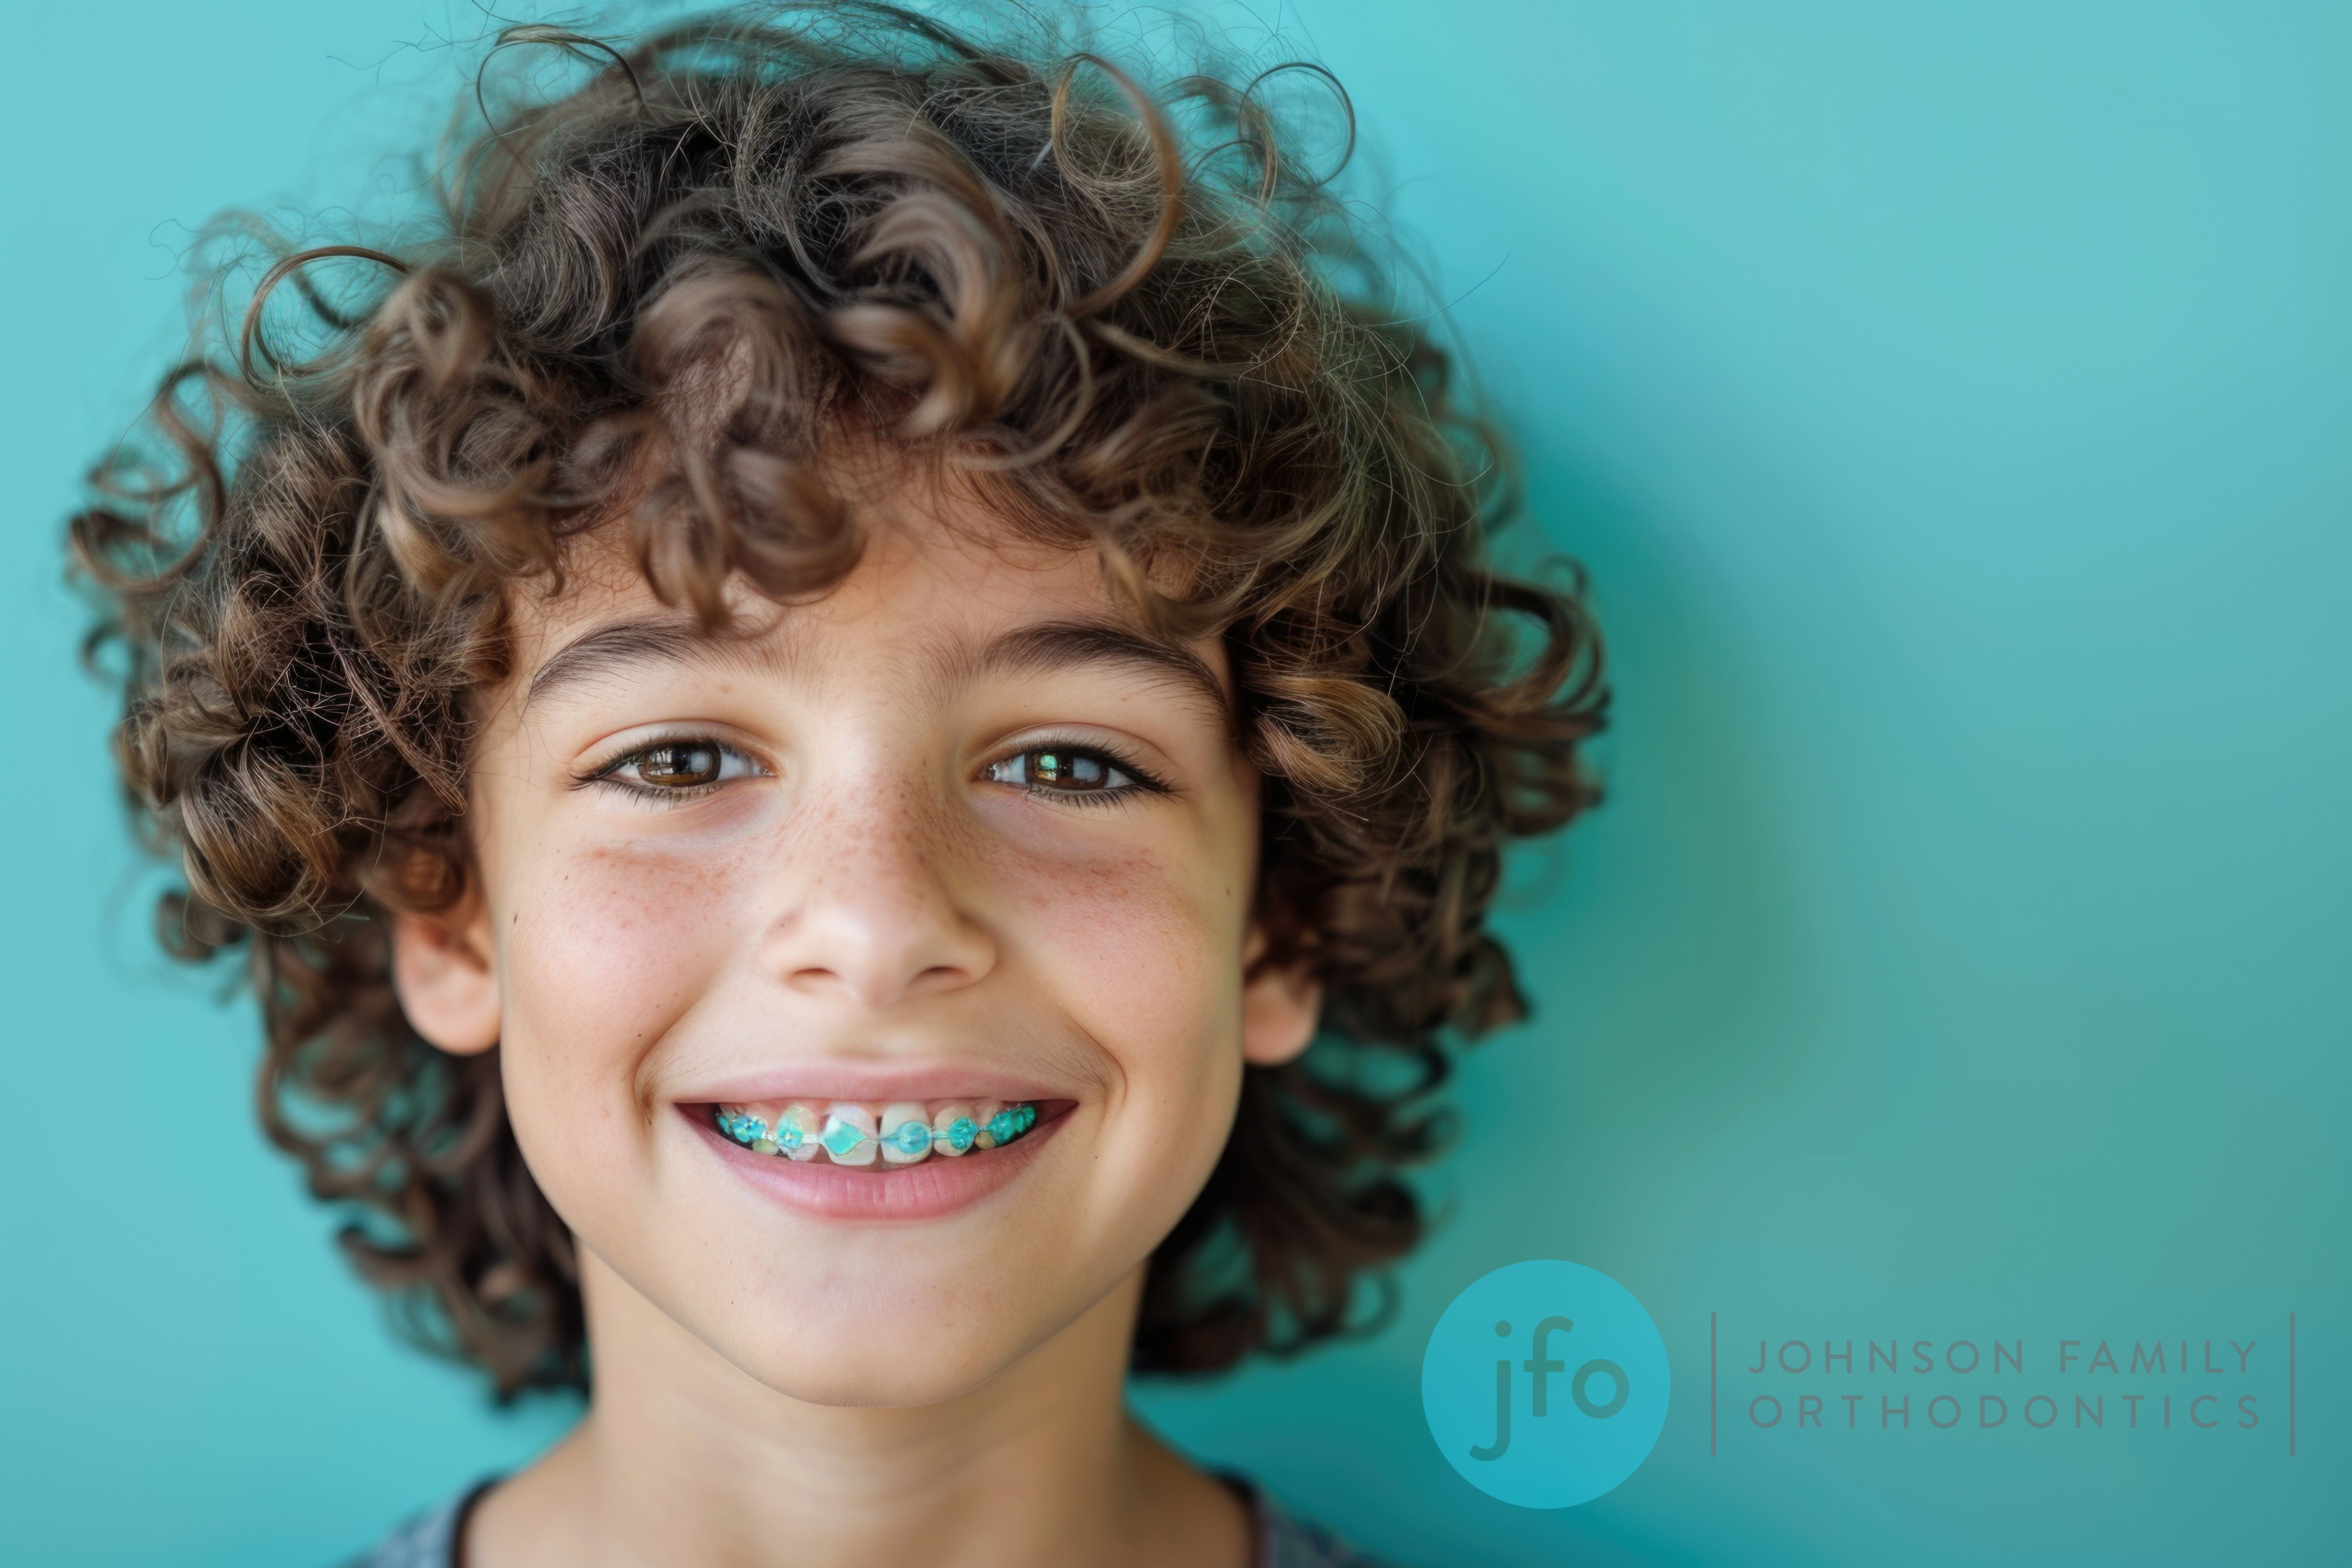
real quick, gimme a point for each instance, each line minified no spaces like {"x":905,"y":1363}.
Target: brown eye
{"x":1067,"y":770}
{"x":680,"y":766}
{"x":1062,"y":770}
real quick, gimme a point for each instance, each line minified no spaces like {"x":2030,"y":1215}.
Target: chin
{"x":893,"y":1358}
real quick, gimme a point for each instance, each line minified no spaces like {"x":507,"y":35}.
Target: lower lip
{"x":927,"y":1189}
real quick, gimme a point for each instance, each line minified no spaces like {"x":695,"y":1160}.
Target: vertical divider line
{"x":2290,"y":1386}
{"x":1710,"y":1385}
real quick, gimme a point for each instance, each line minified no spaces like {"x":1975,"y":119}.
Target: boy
{"x":802,"y":724}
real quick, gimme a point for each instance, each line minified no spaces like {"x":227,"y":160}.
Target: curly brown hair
{"x":647,"y":304}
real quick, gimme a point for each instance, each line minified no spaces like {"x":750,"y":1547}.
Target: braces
{"x":841,"y":1138}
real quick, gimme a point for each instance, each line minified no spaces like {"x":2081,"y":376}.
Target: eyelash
{"x":728,"y":757}
{"x":1136,"y":779}
{"x":1139,"y":782}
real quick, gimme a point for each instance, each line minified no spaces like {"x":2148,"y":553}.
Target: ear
{"x":1281,"y":1005}
{"x":443,"y":972}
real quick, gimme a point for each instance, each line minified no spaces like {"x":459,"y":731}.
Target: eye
{"x":676,"y":768}
{"x":1068,"y":771}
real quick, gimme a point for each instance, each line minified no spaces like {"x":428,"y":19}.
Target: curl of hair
{"x":1129,"y":312}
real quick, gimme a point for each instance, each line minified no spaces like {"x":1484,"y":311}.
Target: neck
{"x":683,"y":1459}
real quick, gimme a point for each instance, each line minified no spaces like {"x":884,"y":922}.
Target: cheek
{"x":604,"y":949}
{"x":1143,"y":953}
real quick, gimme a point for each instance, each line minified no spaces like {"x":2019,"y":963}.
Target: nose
{"x":874,"y":919}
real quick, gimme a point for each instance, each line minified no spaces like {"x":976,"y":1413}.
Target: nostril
{"x":878,"y":952}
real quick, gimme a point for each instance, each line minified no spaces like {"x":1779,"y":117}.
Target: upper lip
{"x":872,"y":1083}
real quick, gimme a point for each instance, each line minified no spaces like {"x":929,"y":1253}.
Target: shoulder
{"x":429,"y":1539}
{"x":1287,"y":1541}
{"x":1284,"y":1540}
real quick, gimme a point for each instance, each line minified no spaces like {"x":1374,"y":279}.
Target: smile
{"x":900,"y":1133}
{"x":901,"y":1160}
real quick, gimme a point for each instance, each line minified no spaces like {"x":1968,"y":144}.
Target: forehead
{"x":944,"y":587}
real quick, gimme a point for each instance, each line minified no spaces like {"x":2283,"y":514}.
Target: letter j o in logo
{"x":1490,"y":1384}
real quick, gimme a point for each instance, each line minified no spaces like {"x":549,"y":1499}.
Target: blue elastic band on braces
{"x":842,"y":1138}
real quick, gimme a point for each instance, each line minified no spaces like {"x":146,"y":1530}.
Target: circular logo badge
{"x":1545,"y":1383}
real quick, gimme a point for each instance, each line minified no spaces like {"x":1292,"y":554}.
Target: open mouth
{"x":860,"y":1160}
{"x":903,"y":1133}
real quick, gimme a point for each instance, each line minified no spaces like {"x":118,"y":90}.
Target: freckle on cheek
{"x":1100,"y":919}
{"x":612,"y":956}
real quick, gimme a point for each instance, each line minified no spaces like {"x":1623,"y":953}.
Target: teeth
{"x":904,"y":1132}
{"x":797,"y":1127}
{"x":954,"y":1129}
{"x":741,"y":1124}
{"x":849,"y":1134}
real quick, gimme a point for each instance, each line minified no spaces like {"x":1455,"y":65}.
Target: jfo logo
{"x":1496,"y":1412}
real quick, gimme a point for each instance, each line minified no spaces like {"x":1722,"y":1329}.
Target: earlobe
{"x":1281,"y":1006}
{"x":449,"y":985}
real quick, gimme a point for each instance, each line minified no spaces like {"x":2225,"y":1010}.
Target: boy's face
{"x":955,"y":832}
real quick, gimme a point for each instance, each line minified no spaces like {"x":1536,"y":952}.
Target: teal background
{"x":1950,"y":403}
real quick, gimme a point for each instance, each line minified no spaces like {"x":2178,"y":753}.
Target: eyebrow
{"x":1066,"y":645}
{"x":1037,"y":649}
{"x":634,"y":643}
